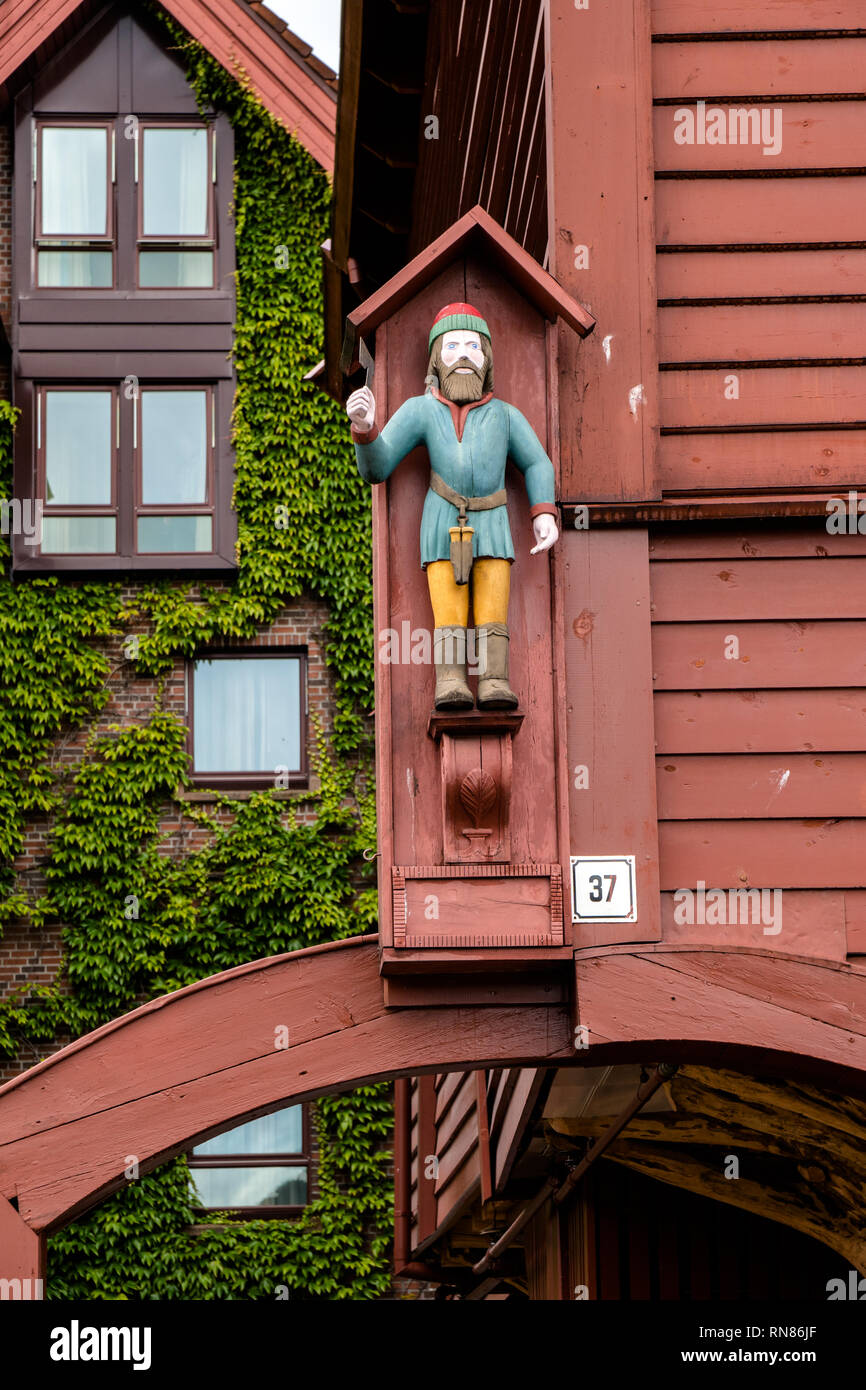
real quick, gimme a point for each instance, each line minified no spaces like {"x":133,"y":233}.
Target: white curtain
{"x":174,"y":447}
{"x":247,"y":714}
{"x":74,"y":181}
{"x":280,"y":1133}
{"x":175,"y":181}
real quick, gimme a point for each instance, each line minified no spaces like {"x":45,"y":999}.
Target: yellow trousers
{"x":490,"y":583}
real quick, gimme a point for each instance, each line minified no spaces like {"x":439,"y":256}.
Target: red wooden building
{"x":660,"y":207}
{"x":687,"y":173}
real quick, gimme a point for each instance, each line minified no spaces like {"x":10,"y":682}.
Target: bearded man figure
{"x":465,"y":535}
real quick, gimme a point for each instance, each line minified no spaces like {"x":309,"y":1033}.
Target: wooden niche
{"x":473,"y":833}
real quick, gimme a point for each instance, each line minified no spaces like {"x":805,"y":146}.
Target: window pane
{"x":173,"y":448}
{"x":75,"y":269}
{"x":74,"y":181}
{"x":251,"y":1187}
{"x":247,"y":715}
{"x":175,"y":182}
{"x":78,"y":448}
{"x":179,"y":270}
{"x":78,"y":535}
{"x":281,"y":1133}
{"x":175,"y":535}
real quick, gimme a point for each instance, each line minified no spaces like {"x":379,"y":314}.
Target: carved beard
{"x":458,"y":388}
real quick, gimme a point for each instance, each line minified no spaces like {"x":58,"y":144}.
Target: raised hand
{"x":361,"y":408}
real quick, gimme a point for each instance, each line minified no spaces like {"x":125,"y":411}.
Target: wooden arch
{"x":241,"y":1044}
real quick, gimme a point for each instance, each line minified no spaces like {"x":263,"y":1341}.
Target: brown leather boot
{"x":449,"y":655}
{"x":494,"y":692}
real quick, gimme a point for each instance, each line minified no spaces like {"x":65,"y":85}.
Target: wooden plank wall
{"x":761,"y":264}
{"x":628,"y":1238}
{"x":485,"y":83}
{"x":444,"y":1117}
{"x":759,"y":662}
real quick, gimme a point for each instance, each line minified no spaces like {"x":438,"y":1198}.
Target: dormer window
{"x":74,"y":212}
{"x":82,"y":236}
{"x":176,"y":169}
{"x":123,"y":271}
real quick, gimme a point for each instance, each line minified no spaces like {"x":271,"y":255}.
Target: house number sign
{"x":603,"y":888}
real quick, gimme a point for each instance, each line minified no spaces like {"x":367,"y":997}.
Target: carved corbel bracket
{"x":476,"y":763}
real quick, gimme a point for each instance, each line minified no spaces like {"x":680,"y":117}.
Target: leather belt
{"x":466,"y":504}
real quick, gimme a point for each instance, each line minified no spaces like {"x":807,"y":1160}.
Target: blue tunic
{"x":473,"y":466}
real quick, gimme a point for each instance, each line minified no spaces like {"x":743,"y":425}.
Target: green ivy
{"x":137,"y":1246}
{"x":137,"y":918}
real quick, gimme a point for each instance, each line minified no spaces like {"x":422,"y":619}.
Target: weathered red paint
{"x":196,"y":1062}
{"x":599,"y":59}
{"x":609,"y":715}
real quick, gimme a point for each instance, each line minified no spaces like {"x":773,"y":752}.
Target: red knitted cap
{"x":458,"y":316}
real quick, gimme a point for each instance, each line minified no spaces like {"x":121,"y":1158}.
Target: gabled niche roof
{"x":475,"y":231}
{"x":249,"y":41}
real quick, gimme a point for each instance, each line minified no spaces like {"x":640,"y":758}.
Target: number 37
{"x":597,"y":892}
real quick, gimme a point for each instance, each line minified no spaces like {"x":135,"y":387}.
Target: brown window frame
{"x":63,"y":509}
{"x":161,"y":242}
{"x":105,"y":241}
{"x":206,"y":508}
{"x":281,"y":1160}
{"x":126,"y":506}
{"x":247,"y":781}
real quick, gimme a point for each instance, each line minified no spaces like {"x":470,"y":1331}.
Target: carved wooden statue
{"x":465,"y":535}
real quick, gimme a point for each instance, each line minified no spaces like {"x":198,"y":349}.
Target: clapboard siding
{"x":744,"y":16}
{"x":761,"y":332}
{"x":768,"y":210}
{"x":785,"y":460}
{"x":792,"y":67}
{"x":759,"y":662}
{"x":814,"y":922}
{"x":721,"y":275}
{"x":806,"y":538}
{"x":447,"y":1128}
{"x":789,"y":135}
{"x":767,"y":397}
{"x":457,"y":1148}
{"x":773,"y":214}
{"x":449,"y":1131}
{"x":750,"y":589}
{"x":725,"y":786}
{"x":810,"y":853}
{"x":760,"y":721}
{"x":692,"y":656}
{"x":446,"y":1089}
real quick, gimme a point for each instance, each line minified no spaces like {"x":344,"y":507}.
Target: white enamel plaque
{"x":603,"y":888}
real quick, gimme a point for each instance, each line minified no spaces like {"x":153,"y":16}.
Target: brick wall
{"x":26,"y":955}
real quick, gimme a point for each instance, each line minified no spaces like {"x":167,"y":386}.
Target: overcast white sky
{"x":317,"y":21}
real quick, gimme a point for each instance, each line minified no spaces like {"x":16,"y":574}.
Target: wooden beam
{"x":426,"y":1149}
{"x":22,"y":1255}
{"x":609,"y":716}
{"x":766,"y":1010}
{"x":227,"y":1049}
{"x":483,"y":1135}
{"x":602,"y":238}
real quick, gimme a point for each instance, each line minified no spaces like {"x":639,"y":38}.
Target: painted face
{"x":459,"y":344}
